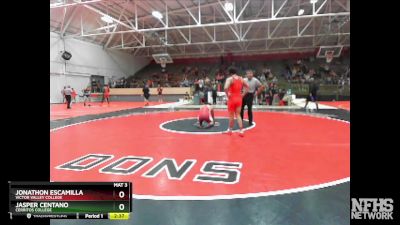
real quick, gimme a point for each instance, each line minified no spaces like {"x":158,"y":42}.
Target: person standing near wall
{"x":63,"y":94}
{"x":106,"y":95}
{"x":146,"y":93}
{"x":73,"y":94}
{"x":86,"y":96}
{"x":68,"y":98}
{"x":271,"y":93}
{"x":94,"y":85}
{"x":312,"y":95}
{"x":159,"y":92}
{"x":214,"y":93}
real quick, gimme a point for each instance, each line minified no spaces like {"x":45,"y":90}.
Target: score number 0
{"x":121,"y":194}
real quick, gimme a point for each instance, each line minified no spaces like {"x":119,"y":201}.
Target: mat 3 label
{"x":221,"y":172}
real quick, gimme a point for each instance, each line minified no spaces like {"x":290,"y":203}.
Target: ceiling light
{"x":157,"y":14}
{"x":228,"y":6}
{"x":301,"y":12}
{"x":107,"y":19}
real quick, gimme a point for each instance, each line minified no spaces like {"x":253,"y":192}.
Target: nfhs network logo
{"x":372,"y":208}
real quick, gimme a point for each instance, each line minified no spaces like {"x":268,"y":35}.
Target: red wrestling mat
{"x":283,"y":153}
{"x":338,"y":104}
{"x":60,"y":111}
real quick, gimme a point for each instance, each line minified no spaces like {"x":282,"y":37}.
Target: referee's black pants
{"x":248,"y":100}
{"x":68,"y":98}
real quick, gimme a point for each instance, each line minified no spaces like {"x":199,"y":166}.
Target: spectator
{"x":196,"y":85}
{"x":214,"y":93}
{"x":201,"y":84}
{"x":166,"y":77}
{"x":274,"y":80}
{"x":63,"y":94}
{"x":159,"y":92}
{"x":206,"y":89}
{"x":207,"y":81}
{"x":341,"y":84}
{"x":187,"y":96}
{"x":270,"y":93}
{"x":185,"y":83}
{"x":221,"y":81}
{"x":329,"y":79}
{"x":86,"y":96}
{"x":219,"y":77}
{"x":333,"y":76}
{"x":276,"y":99}
{"x":270,"y":75}
{"x":125,"y":84}
{"x":201,"y":97}
{"x":73,"y":95}
{"x":281,"y":94}
{"x":288,"y":73}
{"x":307,"y":77}
{"x":262,"y":78}
{"x":310,"y":75}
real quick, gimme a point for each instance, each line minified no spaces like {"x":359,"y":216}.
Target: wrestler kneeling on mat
{"x":206,"y":117}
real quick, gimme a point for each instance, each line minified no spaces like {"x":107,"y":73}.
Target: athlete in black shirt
{"x":312,"y":95}
{"x":146,"y":94}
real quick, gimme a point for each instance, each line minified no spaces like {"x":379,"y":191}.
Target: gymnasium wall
{"x":87,"y":59}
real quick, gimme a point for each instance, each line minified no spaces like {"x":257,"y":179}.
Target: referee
{"x":68,"y":93}
{"x":255,"y":88}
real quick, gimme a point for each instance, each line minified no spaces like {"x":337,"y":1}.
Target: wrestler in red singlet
{"x":106,"y":94}
{"x":233,"y":89}
{"x":206,"y":114}
{"x":235,"y":93}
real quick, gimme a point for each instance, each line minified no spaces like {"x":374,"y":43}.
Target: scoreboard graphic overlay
{"x":70,"y":200}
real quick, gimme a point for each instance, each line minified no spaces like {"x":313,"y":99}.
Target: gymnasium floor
{"x":291,"y":167}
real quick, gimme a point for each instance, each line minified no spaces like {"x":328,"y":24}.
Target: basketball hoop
{"x":329,"y":52}
{"x":162,"y":59}
{"x":163,"y":62}
{"x":329,"y":56}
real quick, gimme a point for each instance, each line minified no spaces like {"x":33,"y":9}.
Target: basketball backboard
{"x":324,"y":50}
{"x":162,"y":58}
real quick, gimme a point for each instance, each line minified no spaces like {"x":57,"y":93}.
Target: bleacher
{"x":177,"y":70}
